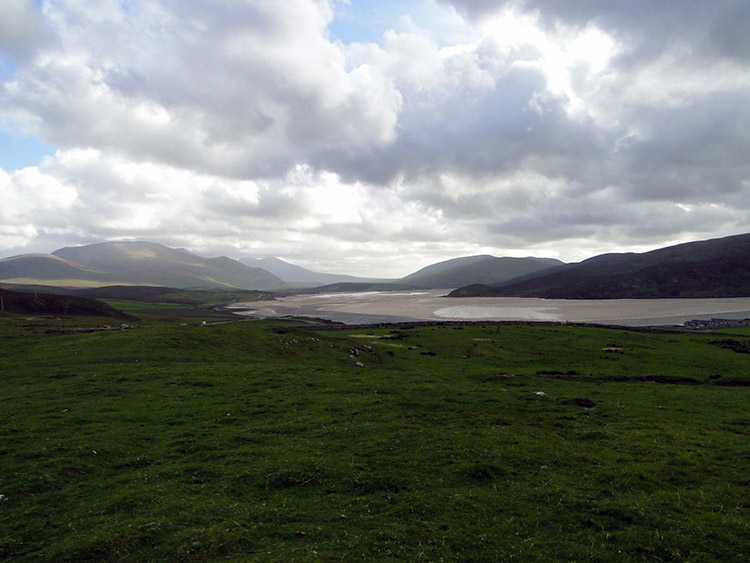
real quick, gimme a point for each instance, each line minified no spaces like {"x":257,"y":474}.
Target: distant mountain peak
{"x":136,"y":263}
{"x":293,"y":274}
{"x":479,"y":269}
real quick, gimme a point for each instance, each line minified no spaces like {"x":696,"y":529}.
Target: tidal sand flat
{"x":378,"y":306}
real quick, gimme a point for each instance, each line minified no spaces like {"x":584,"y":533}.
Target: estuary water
{"x":390,"y":306}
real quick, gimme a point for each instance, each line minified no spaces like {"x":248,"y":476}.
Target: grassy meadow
{"x":269,"y":441}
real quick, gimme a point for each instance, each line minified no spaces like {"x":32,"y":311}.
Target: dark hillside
{"x":447,"y":265}
{"x":52,"y":304}
{"x":151,"y":294}
{"x":712,"y":268}
{"x":477,"y":270}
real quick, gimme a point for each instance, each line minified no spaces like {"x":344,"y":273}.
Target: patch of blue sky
{"x":7,"y":67}
{"x":360,"y":21}
{"x":18,"y":151}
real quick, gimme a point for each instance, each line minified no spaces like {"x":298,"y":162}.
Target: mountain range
{"x":151,"y":264}
{"x":711,"y":268}
{"x":297,"y":275}
{"x":132,"y":263}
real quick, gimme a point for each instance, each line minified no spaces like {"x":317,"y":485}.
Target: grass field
{"x":262,"y":441}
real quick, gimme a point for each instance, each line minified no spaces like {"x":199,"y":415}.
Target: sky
{"x":374,"y":137}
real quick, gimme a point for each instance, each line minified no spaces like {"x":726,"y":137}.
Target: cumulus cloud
{"x":21,"y":28}
{"x":241,"y":127}
{"x":709,"y":29}
{"x":244,"y":88}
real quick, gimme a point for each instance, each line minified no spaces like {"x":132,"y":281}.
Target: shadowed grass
{"x":261,"y":441}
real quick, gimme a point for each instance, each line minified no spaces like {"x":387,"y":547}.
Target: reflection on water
{"x":510,"y":313}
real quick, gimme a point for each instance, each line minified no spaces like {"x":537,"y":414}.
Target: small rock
{"x":540,"y":393}
{"x":359,"y":365}
{"x":584,"y":402}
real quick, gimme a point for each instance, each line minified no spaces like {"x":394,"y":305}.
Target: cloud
{"x":245,"y":89}
{"x":479,"y":110}
{"x":704,"y":29}
{"x":20,"y":27}
{"x":241,"y":127}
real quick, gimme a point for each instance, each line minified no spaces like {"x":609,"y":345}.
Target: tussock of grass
{"x":261,"y":441}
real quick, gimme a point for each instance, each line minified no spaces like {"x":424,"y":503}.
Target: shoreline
{"x":370,"y":308}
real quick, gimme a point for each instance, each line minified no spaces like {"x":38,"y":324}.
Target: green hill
{"x":30,"y":268}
